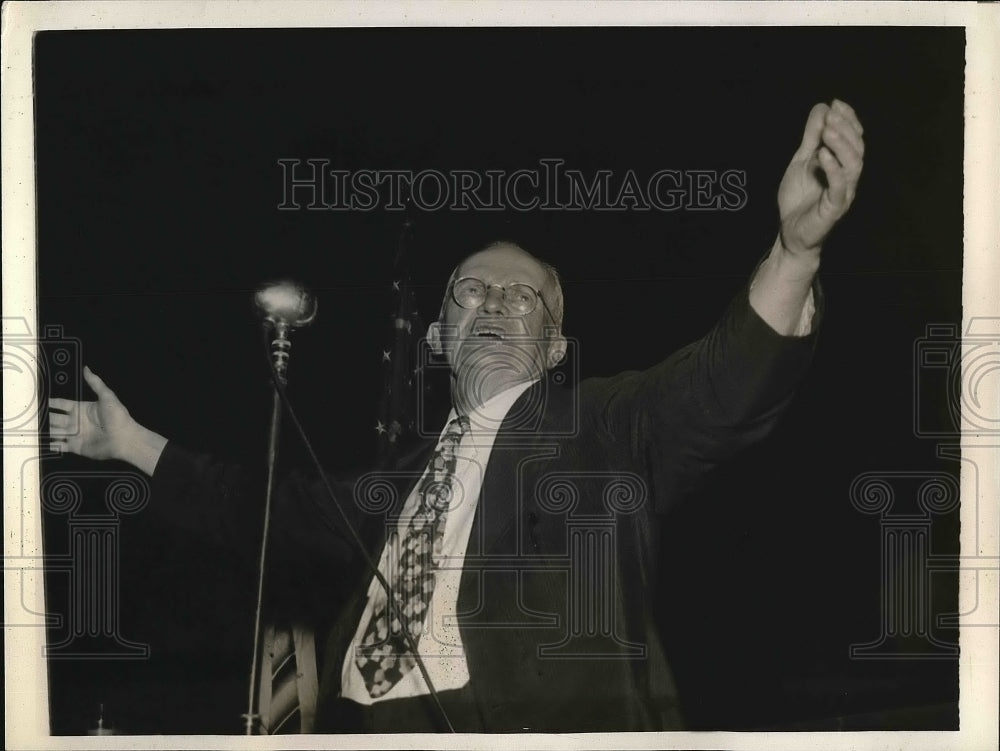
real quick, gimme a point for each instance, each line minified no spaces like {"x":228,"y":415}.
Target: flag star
{"x":395,"y":286}
{"x":380,"y":427}
{"x":386,"y":356}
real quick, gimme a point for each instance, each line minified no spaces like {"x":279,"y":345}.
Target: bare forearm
{"x":781,"y":286}
{"x":142,"y":448}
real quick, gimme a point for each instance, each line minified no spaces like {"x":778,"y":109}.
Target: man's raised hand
{"x":822,"y":178}
{"x":102,"y":429}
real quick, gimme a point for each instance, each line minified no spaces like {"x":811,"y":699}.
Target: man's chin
{"x":488,"y":354}
{"x":483,"y":370}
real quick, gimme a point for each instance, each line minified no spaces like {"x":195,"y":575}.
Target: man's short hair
{"x":553,"y":293}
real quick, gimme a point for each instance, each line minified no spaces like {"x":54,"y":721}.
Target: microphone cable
{"x":354,"y":537}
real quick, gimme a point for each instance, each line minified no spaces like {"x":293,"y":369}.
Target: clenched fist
{"x":822,"y":178}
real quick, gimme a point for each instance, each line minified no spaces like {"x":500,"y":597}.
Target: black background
{"x":158,"y":187}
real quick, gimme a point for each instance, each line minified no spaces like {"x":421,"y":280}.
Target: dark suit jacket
{"x":561,"y":569}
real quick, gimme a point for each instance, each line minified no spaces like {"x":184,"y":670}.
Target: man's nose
{"x":494,"y":303}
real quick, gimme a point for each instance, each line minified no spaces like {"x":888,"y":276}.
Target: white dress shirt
{"x":441,"y":644}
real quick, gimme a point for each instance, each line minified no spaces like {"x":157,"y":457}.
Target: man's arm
{"x":683,"y":417}
{"x":711,"y":399}
{"x":219,"y":501}
{"x":816,"y":191}
{"x":221,"y":505}
{"x":191,"y":491}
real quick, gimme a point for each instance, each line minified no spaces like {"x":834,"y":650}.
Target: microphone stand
{"x":285,"y":306}
{"x":293,"y":308}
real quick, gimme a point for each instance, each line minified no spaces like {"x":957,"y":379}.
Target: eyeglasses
{"x":520,"y":298}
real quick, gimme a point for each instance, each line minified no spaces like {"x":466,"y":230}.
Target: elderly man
{"x":520,"y":546}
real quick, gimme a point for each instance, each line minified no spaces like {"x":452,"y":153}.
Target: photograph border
{"x":26,"y":687}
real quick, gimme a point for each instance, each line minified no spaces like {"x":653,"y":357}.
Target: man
{"x":520,"y":545}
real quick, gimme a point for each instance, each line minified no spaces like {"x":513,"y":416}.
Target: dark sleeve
{"x":222,"y":504}
{"x":681,"y":418}
{"x":214,"y":500}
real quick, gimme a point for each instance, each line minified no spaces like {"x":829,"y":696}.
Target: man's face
{"x":491,"y":346}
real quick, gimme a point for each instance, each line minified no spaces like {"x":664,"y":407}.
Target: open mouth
{"x":488,"y":332}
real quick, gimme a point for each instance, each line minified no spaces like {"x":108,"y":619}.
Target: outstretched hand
{"x":822,"y":178}
{"x":96,"y":429}
{"x":103,"y":429}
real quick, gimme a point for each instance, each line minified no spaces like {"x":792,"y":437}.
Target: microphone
{"x":284,"y":305}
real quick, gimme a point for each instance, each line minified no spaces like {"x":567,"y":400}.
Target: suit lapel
{"x":499,"y":504}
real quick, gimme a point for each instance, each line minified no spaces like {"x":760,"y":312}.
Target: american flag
{"x":400,"y":360}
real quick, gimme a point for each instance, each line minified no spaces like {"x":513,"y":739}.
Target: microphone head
{"x":286,"y":303}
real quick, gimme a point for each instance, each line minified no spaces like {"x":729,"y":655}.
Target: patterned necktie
{"x":383,"y":656}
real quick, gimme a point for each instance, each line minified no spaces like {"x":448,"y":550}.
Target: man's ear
{"x":556,"y":352}
{"x":434,"y":338}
